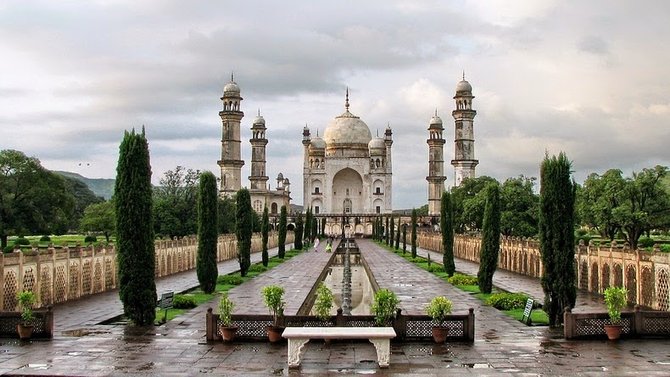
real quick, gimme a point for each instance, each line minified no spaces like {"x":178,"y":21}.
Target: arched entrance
{"x":347,"y":194}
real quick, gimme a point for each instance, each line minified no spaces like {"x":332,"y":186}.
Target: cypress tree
{"x":404,"y":238}
{"x":206,"y":268}
{"x":307,"y":226}
{"x":265,"y":227}
{"x":243,"y":230}
{"x":134,"y":230}
{"x":323,"y":227}
{"x":556,"y":225}
{"x":298,"y":232}
{"x":386,"y":233}
{"x":447,"y":228}
{"x":414,"y":232}
{"x":282,"y":233}
{"x":392,"y":231}
{"x":488,"y":259}
{"x":315,"y":227}
{"x":397,"y":236}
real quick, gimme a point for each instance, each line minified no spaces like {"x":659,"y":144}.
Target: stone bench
{"x":380,"y":337}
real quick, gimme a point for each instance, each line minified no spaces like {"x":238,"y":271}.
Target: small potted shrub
{"x":227,"y":330}
{"x":26,"y":300}
{"x":384,"y":307}
{"x":273,"y":299}
{"x":615,"y":299}
{"x":438,"y":309}
{"x":323,"y":303}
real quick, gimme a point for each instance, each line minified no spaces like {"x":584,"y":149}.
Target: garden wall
{"x":61,"y":274}
{"x":645,"y":274}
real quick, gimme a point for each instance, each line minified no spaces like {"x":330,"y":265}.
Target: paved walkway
{"x":503,"y":347}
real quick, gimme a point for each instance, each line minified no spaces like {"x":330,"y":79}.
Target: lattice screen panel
{"x":314,"y":323}
{"x":605,"y":280}
{"x":45,"y":286}
{"x":74,"y":281}
{"x":594,"y":278}
{"x":618,"y":275}
{"x":109,"y":274}
{"x":656,"y":326}
{"x":28,"y":279}
{"x":631,"y":283}
{"x":360,"y":323}
{"x":596,"y":326}
{"x":86,"y":278}
{"x":422,"y":329}
{"x":250,"y":328}
{"x":647,"y":284}
{"x":59,"y":290}
{"x":584,"y":275}
{"x":10,"y":289}
{"x":97,"y":277}
{"x":662,"y":296}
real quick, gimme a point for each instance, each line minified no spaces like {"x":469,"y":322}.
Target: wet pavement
{"x":502,"y":347}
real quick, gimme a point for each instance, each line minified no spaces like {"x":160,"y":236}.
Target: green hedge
{"x":183,"y":302}
{"x":460,"y":279}
{"x":507,"y":301}
{"x":230,"y":279}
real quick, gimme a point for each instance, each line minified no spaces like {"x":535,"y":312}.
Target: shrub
{"x":90,"y":239}
{"x":22,"y":241}
{"x":183,"y":302}
{"x":435,"y":268}
{"x":615,"y":299}
{"x":8,"y":249}
{"x":324,"y":302}
{"x":384,"y":306}
{"x":226,"y":306}
{"x":257,"y":268}
{"x":45,"y":239}
{"x":439,"y":308}
{"x":230,"y":279}
{"x":507,"y":301}
{"x":646,"y":242}
{"x":460,"y":279}
{"x":665,"y":248}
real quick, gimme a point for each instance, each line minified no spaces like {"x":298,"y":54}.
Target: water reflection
{"x":361,"y":289}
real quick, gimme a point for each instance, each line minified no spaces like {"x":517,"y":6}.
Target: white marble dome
{"x":463,"y":86}
{"x":435,"y":121}
{"x":231,"y":88}
{"x":317,"y":143}
{"x":376,"y":144}
{"x":347,"y":129}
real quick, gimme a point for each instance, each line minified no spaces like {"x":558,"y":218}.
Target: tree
{"x":226,"y":216}
{"x":488,"y":260}
{"x":519,"y":207}
{"x":556,"y":227}
{"x":404,"y":238}
{"x":134,"y":230}
{"x":83,"y":197}
{"x":307,"y":229}
{"x":282,"y":233}
{"x":243,"y":229}
{"x":447,"y":229}
{"x":299,"y":227}
{"x":468,"y":202}
{"x":99,"y":217}
{"x":387,"y":230}
{"x":33,"y":200}
{"x":391,"y":231}
{"x":175,"y":208}
{"x":265,"y":227}
{"x":397,"y":235}
{"x":645,"y":204}
{"x":598,"y":199}
{"x":315,"y":227}
{"x":414,"y":233}
{"x":206,"y":268}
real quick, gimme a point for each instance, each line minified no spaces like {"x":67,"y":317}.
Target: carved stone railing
{"x":636,"y":324}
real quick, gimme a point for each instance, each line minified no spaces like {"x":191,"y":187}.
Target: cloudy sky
{"x":590,"y":78}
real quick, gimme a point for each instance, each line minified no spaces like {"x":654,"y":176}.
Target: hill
{"x":100,"y":186}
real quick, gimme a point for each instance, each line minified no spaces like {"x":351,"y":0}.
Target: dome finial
{"x":463,"y":75}
{"x":259,"y":111}
{"x":232,"y":76}
{"x":436,"y":111}
{"x":346,"y":101}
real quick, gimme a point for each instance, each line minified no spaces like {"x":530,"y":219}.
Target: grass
{"x":203,"y":298}
{"x":538,"y":316}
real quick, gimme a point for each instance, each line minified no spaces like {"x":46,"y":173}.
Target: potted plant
{"x":615,"y":299}
{"x":26,"y":300}
{"x":323,"y":302}
{"x":227,"y":330}
{"x":272,"y":297}
{"x":438,"y":309}
{"x":384,"y":307}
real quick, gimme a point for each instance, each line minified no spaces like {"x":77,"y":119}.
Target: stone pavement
{"x":503,"y":347}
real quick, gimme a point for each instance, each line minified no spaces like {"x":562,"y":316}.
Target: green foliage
{"x":175,"y":203}
{"x":184,"y":302}
{"x":556,"y":227}
{"x":257,"y":268}
{"x":83,"y":197}
{"x":207,"y":200}
{"x":226,"y":306}
{"x":615,"y":299}
{"x":8,"y":249}
{"x":414,"y":220}
{"x":90,"y":239}
{"x":282,"y":233}
{"x":519,"y":207}
{"x":99,"y":217}
{"x":227,"y":211}
{"x":230,"y":279}
{"x":307,"y":231}
{"x":391,"y":231}
{"x":384,"y":307}
{"x":507,"y":301}
{"x":324,"y":302}
{"x":387,"y":230}
{"x":646,"y":242}
{"x":45,"y":239}
{"x":488,"y":261}
{"x":299,"y":227}
{"x":243,"y":229}
{"x":447,"y":229}
{"x":404,"y":238}
{"x":397,"y":236}
{"x":26,"y":300}
{"x":468,"y":202}
{"x":273,"y":299}
{"x":460,"y":279}
{"x":22,"y":241}
{"x":135,"y":234}
{"x":439,"y":308}
{"x":265,"y":227}
{"x":34,"y":200}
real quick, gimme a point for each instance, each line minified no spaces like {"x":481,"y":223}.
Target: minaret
{"x":258,"y":141}
{"x":388,"y":182}
{"x":231,"y":161}
{"x":464,"y":149}
{"x":435,"y":176}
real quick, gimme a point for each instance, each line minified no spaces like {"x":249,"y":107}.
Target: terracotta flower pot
{"x":25,"y":331}
{"x":228,"y":333}
{"x":613,"y":331}
{"x":440,"y":334}
{"x":274,"y":333}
